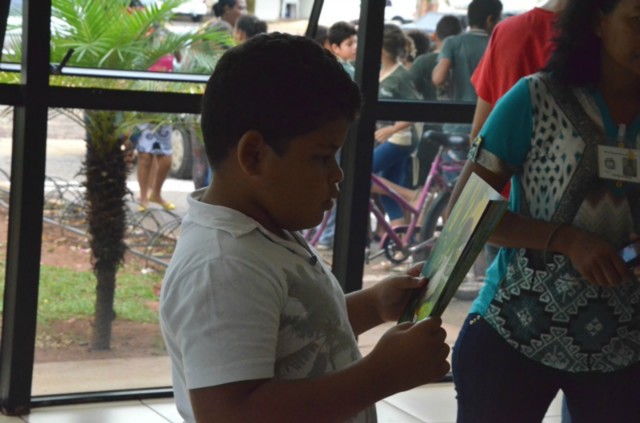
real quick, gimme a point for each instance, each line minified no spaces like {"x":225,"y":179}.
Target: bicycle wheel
{"x":392,"y":251}
{"x":432,"y":224}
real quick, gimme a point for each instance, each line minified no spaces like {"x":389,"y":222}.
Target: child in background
{"x":248,"y":26}
{"x":343,"y":41}
{"x":257,"y":328}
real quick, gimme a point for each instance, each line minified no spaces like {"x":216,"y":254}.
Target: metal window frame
{"x":34,"y":96}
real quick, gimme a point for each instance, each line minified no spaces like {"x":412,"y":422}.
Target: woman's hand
{"x":383,"y":134}
{"x":393,"y":293}
{"x":595,"y":259}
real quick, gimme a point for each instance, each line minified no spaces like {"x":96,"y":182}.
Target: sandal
{"x":167,"y":205}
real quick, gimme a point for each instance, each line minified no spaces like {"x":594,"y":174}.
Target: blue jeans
{"x":391,"y":162}
{"x":495,"y":383}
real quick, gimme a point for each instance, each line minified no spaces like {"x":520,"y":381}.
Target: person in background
{"x":257,"y":328}
{"x":154,"y":148}
{"x":395,"y":141}
{"x":423,"y":66}
{"x":153,"y":145}
{"x":248,"y":26}
{"x":228,"y":12}
{"x":519,"y":46}
{"x":410,"y":52}
{"x":460,"y":54}
{"x":343,"y":42}
{"x":322,"y":36}
{"x":559,"y":307}
{"x":420,"y":41}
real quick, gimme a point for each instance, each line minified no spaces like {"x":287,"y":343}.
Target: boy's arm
{"x":441,"y":71}
{"x":406,"y":356}
{"x":383,"y":302}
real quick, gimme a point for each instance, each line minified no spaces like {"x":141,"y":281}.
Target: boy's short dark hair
{"x":280,"y":85}
{"x":251,"y":25}
{"x":447,"y":26}
{"x":479,"y":10}
{"x":340,"y":31}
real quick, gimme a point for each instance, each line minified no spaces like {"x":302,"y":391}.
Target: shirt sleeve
{"x":448,"y":49}
{"x":483,"y":78}
{"x":508,"y":129}
{"x":225,"y":323}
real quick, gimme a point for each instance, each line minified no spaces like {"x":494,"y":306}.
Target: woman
{"x":559,"y":309}
{"x":228,"y":12}
{"x":395,"y":140}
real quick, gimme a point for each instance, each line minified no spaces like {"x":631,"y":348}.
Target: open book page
{"x":473,"y":219}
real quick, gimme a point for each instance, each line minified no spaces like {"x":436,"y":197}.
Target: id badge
{"x":620,"y":164}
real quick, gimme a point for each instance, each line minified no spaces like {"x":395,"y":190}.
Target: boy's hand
{"x":393,"y":293}
{"x":411,"y":354}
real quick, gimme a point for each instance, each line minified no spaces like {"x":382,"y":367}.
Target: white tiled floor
{"x":427,"y":404}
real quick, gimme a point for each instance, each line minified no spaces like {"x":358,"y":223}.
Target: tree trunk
{"x":106,"y":187}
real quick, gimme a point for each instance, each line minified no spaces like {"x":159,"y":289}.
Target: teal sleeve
{"x":448,"y":49}
{"x":508,"y":130}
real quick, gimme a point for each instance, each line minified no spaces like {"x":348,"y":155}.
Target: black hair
{"x":393,"y":41}
{"x":218,"y":8}
{"x":340,"y":31}
{"x":251,"y":25}
{"x":280,"y":85}
{"x":479,"y":10}
{"x":447,"y":26}
{"x":322,"y":34}
{"x":576,"y":59}
{"x":420,"y":41}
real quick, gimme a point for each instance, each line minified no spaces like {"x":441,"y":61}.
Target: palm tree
{"x":108,"y":34}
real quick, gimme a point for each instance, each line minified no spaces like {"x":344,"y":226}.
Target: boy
{"x":257,"y":327}
{"x":343,"y":42}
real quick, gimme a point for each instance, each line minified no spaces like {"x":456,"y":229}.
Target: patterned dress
{"x":535,"y":300}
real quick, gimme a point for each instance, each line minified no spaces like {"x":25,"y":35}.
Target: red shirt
{"x":519,"y":46}
{"x":164,"y":64}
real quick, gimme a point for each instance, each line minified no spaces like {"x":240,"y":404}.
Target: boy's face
{"x":302,"y":184}
{"x":347,"y":49}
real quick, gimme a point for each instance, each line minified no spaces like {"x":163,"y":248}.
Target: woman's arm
{"x":593,"y":257}
{"x":383,"y":134}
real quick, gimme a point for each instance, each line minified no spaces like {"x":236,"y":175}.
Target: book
{"x":473,"y":219}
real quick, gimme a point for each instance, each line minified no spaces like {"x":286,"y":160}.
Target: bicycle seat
{"x":452,"y":141}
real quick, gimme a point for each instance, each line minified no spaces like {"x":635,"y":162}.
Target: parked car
{"x":428,"y":22}
{"x":195,"y":9}
{"x":401,"y":11}
{"x":189,"y":160}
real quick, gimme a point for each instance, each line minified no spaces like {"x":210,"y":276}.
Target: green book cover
{"x":473,"y":219}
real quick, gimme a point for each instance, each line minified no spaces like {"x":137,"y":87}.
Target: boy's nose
{"x":338,"y":175}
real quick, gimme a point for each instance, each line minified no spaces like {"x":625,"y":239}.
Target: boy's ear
{"x":251,"y":152}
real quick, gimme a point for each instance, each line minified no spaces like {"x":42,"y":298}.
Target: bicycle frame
{"x":435,"y":179}
{"x":435,"y":183}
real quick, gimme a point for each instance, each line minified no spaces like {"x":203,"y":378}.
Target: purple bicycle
{"x":416,"y":238}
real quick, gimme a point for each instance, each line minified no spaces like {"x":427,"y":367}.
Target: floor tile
{"x":7,"y":419}
{"x":121,"y":412}
{"x":429,"y":403}
{"x":388,"y":413}
{"x":164,"y":407}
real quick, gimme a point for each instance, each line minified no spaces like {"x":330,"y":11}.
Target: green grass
{"x":66,"y":294}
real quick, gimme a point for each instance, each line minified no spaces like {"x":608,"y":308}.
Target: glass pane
{"x":6,"y":129}
{"x":410,"y":191}
{"x":71,"y":355}
{"x":13,"y":36}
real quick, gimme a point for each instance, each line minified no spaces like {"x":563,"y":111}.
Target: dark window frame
{"x":32,"y":99}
